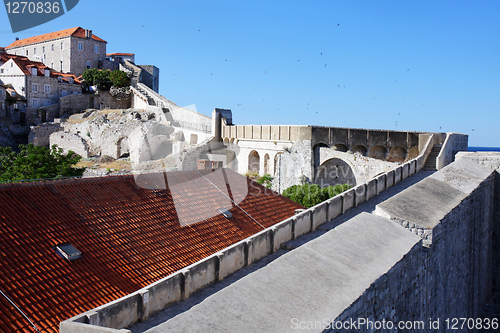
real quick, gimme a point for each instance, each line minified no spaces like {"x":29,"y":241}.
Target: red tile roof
{"x":129,"y":237}
{"x":119,"y":54}
{"x":75,"y":32}
{"x":25,"y":65}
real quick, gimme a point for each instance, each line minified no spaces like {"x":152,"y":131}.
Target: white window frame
{"x":46,"y":88}
{"x":80,"y":46}
{"x":96,"y":48}
{"x":34,"y":87}
{"x":34,"y":102}
{"x":52,"y":47}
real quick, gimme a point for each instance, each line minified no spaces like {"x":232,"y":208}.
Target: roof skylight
{"x":68,"y":251}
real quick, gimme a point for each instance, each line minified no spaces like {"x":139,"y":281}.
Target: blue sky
{"x":403,"y":65}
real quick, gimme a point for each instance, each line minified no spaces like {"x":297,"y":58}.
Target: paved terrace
{"x":312,"y":278}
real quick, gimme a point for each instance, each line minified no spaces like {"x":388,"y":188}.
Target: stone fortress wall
{"x":445,"y":271}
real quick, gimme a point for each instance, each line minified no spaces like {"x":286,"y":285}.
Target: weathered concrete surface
{"x":311,"y":283}
{"x":438,"y":194}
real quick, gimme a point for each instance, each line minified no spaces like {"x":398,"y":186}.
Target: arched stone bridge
{"x":291,"y":152}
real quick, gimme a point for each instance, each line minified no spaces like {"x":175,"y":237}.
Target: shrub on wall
{"x":309,"y":195}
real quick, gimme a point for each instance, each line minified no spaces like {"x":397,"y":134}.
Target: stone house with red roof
{"x":37,"y":84}
{"x":68,"y":51}
{"x":68,"y":246}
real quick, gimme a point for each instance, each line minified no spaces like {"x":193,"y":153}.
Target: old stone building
{"x":37,"y":84}
{"x":68,"y":51}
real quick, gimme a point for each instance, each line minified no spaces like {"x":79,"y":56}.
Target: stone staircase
{"x":431,"y":164}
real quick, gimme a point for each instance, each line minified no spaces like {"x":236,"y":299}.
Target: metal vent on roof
{"x":227,"y":214}
{"x":68,"y":251}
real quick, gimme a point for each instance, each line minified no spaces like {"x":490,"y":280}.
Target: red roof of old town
{"x":75,"y":32}
{"x":129,"y":237}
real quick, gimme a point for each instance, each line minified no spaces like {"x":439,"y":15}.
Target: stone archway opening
{"x":266,"y":164}
{"x":378,"y":152}
{"x":226,"y":140}
{"x":340,"y":147}
{"x":277,"y":164}
{"x":360,"y":149}
{"x":335,"y":171}
{"x":254,"y":162}
{"x":122,"y":148}
{"x":396,"y":154}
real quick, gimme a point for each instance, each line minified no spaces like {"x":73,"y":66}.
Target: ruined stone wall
{"x":78,"y":103}
{"x":39,"y":135}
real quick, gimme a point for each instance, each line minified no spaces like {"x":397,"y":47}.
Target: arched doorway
{"x":254,"y":162}
{"x":266,"y":164}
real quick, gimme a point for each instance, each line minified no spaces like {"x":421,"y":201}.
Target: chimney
{"x":17,"y":38}
{"x":89,"y":34}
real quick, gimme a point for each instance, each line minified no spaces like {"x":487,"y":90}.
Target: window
{"x":43,"y":49}
{"x":1,"y":70}
{"x":88,"y":64}
{"x":63,"y":93}
{"x":2,"y":105}
{"x":68,"y":251}
{"x":46,"y":102}
{"x":26,"y":52}
{"x":52,"y":47}
{"x":61,"y":46}
{"x":96,"y":48}
{"x":80,"y":46}
{"x":34,"y":50}
{"x":34,"y":102}
{"x":34,"y":87}
{"x":52,"y":65}
{"x":61,"y":66}
{"x":46,"y":89}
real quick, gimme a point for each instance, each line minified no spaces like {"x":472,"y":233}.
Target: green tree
{"x":119,"y":78}
{"x":36,"y":162}
{"x":309,"y":195}
{"x":265,"y":180}
{"x":98,"y":77}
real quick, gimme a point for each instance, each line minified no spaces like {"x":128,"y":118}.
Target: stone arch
{"x":340,"y":147}
{"x":231,"y":140}
{"x":254,"y":162}
{"x":266,"y":164}
{"x":316,"y":155}
{"x":396,"y":154}
{"x":378,"y":152}
{"x":335,"y":171}
{"x":277,"y":160}
{"x":122,"y":148}
{"x":226,"y":140}
{"x":359,"y":149}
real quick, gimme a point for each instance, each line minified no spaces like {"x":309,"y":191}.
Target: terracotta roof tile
{"x":75,"y":32}
{"x":129,"y":236}
{"x":119,"y":54}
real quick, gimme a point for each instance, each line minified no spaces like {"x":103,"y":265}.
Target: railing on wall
{"x":138,"y":306}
